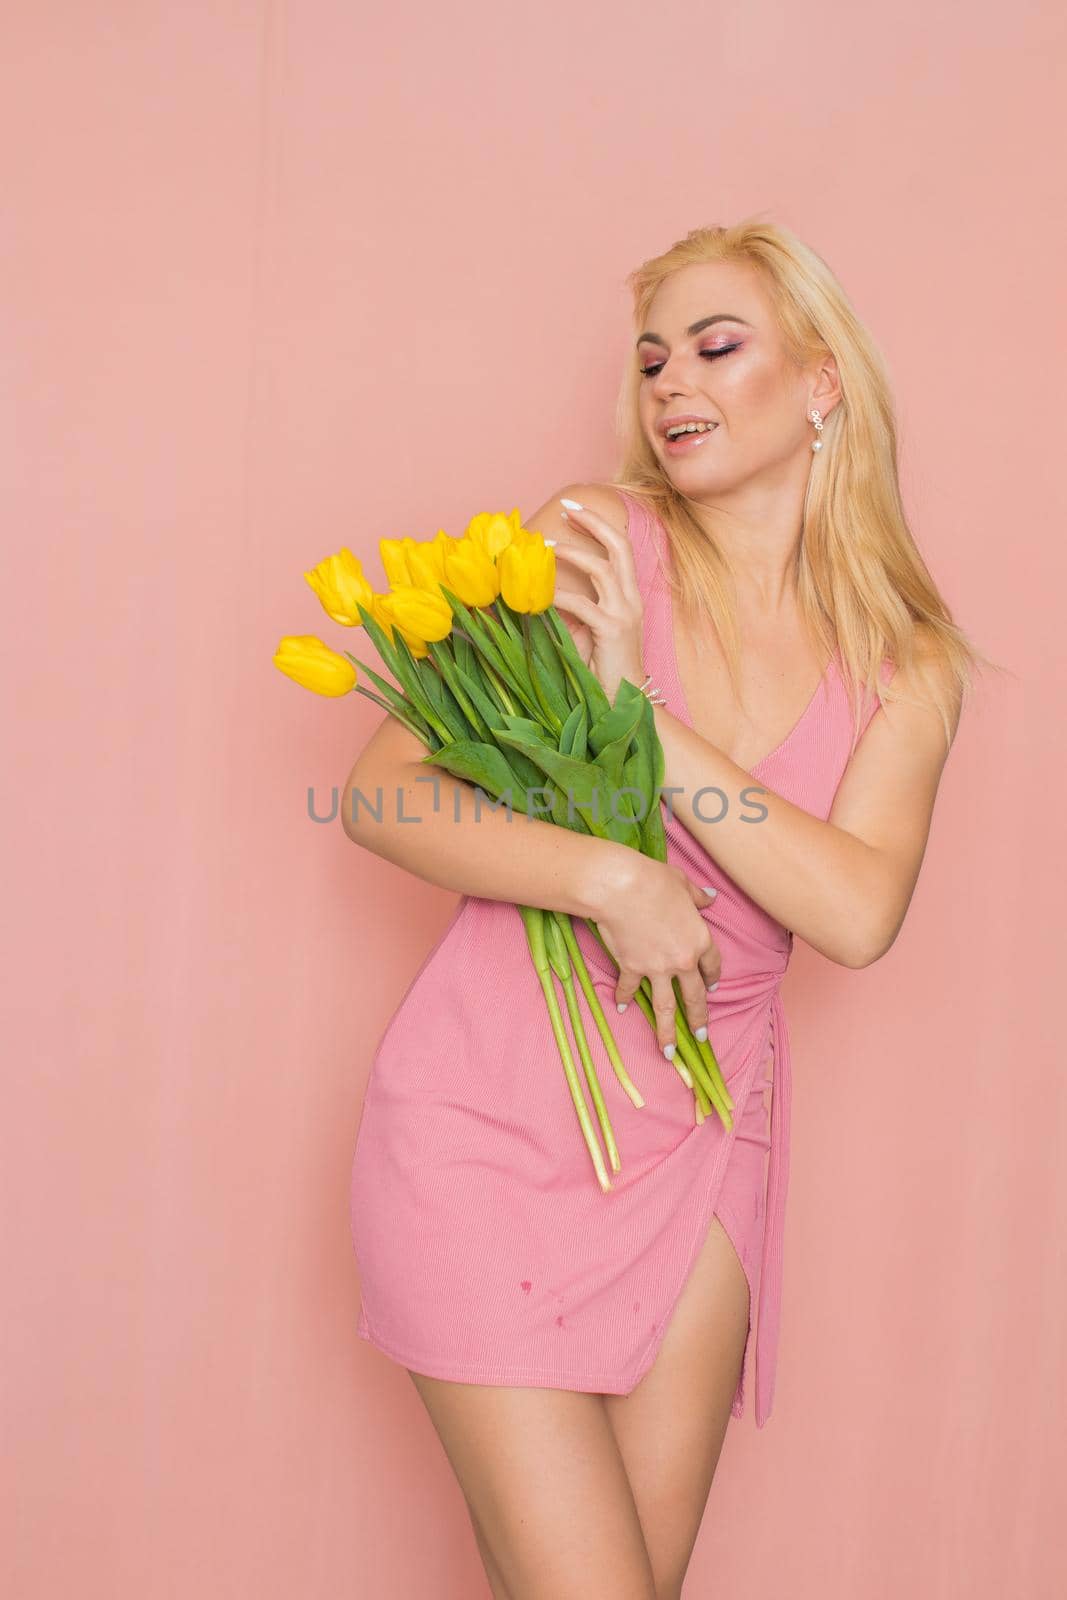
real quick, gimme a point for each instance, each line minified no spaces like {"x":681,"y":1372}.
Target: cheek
{"x":758,"y":401}
{"x":752,"y":383}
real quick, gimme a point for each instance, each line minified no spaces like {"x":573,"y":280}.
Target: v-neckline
{"x":686,"y":716}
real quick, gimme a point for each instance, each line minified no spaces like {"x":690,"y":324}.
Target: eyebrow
{"x":705,"y":322}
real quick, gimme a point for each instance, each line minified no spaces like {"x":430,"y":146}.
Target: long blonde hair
{"x":862,"y":585}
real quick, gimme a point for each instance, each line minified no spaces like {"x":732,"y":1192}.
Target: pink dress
{"x":487,"y":1251}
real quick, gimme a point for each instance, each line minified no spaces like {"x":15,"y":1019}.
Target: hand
{"x":652,"y":925}
{"x":615,"y":618}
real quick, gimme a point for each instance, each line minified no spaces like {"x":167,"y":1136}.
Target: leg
{"x":671,"y":1428}
{"x":548,"y":1494}
{"x":489,"y":1561}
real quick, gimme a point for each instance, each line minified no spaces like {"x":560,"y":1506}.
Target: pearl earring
{"x":816,"y":443}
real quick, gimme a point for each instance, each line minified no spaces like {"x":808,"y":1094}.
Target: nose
{"x":669,"y":382}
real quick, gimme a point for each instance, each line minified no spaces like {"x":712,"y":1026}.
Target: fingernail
{"x":713,"y":986}
{"x":549,"y":543}
{"x":620,"y":1005}
{"x":700,"y":1033}
{"x":707,"y":888}
{"x":668,"y":1051}
{"x":572,"y":505}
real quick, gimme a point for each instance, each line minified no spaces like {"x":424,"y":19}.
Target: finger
{"x":604,"y":573}
{"x":710,"y":965}
{"x":664,"y":1004}
{"x":580,"y":606}
{"x":618,"y":545}
{"x":695,"y":1001}
{"x":626,"y":987}
{"x":702,"y":894}
{"x":710,"y":962}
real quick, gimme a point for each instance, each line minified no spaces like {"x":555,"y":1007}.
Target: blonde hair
{"x":862,"y":585}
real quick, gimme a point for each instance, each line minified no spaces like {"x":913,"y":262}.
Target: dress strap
{"x":639,"y":526}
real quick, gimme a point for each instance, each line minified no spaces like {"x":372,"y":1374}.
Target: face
{"x":734,"y":372}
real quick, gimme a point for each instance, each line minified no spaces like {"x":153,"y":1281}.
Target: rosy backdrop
{"x":283,"y":277}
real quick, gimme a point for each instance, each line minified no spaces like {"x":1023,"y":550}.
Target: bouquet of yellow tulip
{"x":488,"y":677}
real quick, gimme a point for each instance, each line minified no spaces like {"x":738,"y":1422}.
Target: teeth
{"x":690,"y":427}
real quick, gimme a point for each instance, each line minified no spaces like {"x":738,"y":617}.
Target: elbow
{"x":868,"y":945}
{"x":361,"y":808}
{"x":856,"y":956}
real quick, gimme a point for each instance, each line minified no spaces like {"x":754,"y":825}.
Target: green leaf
{"x":611,"y":737}
{"x":402,"y":665}
{"x":481,"y":764}
{"x":511,"y":649}
{"x":380,"y":639}
{"x":573,"y":733}
{"x":644,"y":771}
{"x":547,"y":655}
{"x":437,"y":693}
{"x":582,"y":784}
{"x":525,"y":725}
{"x":589,"y":685}
{"x":476,"y":706}
{"x":511,"y":620}
{"x":555,"y":705}
{"x":476,"y":633}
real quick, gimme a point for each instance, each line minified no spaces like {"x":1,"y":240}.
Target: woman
{"x":581,"y":1353}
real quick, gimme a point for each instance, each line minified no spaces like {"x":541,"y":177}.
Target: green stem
{"x":393,"y":712}
{"x":557,"y":955}
{"x":498,"y":684}
{"x":533,"y":919}
{"x":566,"y":927}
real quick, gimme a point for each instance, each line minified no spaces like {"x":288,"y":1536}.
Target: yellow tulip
{"x":494,"y":531}
{"x":426,"y":562}
{"x":417,"y":611}
{"x":339,"y":583}
{"x":528,"y":574}
{"x":314,"y":665}
{"x":471,"y":574}
{"x":394,"y":554}
{"x":415,"y":562}
{"x":384,"y":620}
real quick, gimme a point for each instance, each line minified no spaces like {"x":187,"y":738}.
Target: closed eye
{"x":709,"y":355}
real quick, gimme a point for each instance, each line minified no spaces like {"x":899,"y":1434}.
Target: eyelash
{"x":724,"y":350}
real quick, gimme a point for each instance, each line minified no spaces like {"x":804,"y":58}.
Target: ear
{"x":827,"y":391}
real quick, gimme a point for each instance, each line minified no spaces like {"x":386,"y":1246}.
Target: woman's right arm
{"x":646,"y":910}
{"x":465,"y":844}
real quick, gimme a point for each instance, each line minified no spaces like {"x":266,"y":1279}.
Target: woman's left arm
{"x":844,"y":885}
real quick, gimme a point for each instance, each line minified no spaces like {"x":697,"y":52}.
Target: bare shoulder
{"x":603,"y":498}
{"x":928,"y":677}
{"x":549,"y":520}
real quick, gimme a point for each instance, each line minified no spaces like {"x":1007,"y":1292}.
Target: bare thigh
{"x":547,"y":1491}
{"x":670,"y":1428}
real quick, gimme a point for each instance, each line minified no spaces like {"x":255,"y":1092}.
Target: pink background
{"x":278,"y":278}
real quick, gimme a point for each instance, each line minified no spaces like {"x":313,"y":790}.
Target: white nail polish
{"x":550,"y":544}
{"x":713,"y":986}
{"x":572,"y":505}
{"x":620,"y":1005}
{"x":668,"y":1051}
{"x":700,"y":1033}
{"x":707,"y":888}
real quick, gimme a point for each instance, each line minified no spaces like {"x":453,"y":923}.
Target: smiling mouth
{"x":688,"y":441}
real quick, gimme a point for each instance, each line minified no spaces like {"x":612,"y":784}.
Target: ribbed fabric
{"x":487,"y":1251}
